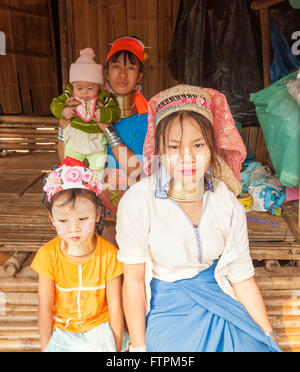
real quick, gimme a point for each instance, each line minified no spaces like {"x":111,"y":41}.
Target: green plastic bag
{"x":279,"y":117}
{"x":295,"y":4}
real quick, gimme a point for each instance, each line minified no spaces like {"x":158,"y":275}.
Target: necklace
{"x":76,"y":251}
{"x":127,"y":104}
{"x":181,"y":194}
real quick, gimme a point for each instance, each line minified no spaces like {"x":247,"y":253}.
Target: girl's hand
{"x":69,"y":113}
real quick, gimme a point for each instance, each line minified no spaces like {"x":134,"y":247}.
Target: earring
{"x":209,"y":180}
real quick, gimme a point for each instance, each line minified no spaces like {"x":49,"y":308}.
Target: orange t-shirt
{"x":80,"y":301}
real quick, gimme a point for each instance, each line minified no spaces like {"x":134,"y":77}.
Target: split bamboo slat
{"x":34,"y":133}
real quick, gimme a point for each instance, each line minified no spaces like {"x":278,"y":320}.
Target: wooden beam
{"x":29,"y":54}
{"x":24,"y":11}
{"x":263,"y":4}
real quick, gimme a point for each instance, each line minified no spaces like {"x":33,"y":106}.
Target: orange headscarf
{"x":131,"y":44}
{"x":136,"y":47}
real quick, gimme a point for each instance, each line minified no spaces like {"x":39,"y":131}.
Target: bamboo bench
{"x":29,"y":133}
{"x":30,"y":143}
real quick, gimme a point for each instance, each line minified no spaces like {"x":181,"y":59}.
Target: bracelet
{"x":60,"y":134}
{"x":273,"y":334}
{"x":112,"y":137}
{"x":137,"y":349}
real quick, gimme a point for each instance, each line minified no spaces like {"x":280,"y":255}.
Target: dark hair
{"x":72,"y":195}
{"x":127,"y":55}
{"x":205,"y":125}
{"x":133,"y":59}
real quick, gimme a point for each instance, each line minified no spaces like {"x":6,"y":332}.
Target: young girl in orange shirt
{"x":80,"y":304}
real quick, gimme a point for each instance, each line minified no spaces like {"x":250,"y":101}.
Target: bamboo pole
{"x":278,"y":282}
{"x":18,"y":284}
{"x":14,"y":264}
{"x":32,"y":183}
{"x":28,"y":119}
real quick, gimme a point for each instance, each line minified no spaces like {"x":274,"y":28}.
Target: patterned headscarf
{"x":211,"y":104}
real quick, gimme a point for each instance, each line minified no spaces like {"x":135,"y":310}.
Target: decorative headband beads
{"x":71,"y":174}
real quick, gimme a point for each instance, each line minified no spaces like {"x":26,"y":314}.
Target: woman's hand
{"x":69,"y":113}
{"x":102,"y":126}
{"x":63,"y":123}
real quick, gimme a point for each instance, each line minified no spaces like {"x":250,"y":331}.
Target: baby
{"x":85,"y":104}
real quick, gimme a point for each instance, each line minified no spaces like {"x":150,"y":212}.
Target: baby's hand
{"x":97,"y":111}
{"x":100,"y":104}
{"x":69,"y":113}
{"x":71,"y":101}
{"x":97,"y":115}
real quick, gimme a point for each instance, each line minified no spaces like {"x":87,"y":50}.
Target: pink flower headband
{"x":71,"y":174}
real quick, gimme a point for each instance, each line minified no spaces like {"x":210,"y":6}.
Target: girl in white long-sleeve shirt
{"x":182,"y":235}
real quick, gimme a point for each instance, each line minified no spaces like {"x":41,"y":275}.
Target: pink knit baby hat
{"x":86,"y":69}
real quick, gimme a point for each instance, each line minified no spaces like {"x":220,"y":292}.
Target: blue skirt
{"x":195,"y":315}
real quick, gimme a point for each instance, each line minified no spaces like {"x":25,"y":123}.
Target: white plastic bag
{"x":267,"y":195}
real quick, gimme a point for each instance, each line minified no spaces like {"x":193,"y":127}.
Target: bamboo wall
{"x":97,"y":23}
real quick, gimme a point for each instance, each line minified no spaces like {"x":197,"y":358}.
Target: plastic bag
{"x":293,"y":87}
{"x":279,"y":117}
{"x":207,"y":52}
{"x":284,"y":61}
{"x":254,"y":174}
{"x":295,"y":4}
{"x":268,"y":197}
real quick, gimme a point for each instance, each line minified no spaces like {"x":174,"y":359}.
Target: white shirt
{"x":157,"y":232}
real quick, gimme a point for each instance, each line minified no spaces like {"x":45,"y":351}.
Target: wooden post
{"x":261,"y":152}
{"x":53,"y":45}
{"x":64,"y":53}
{"x":264,"y":4}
